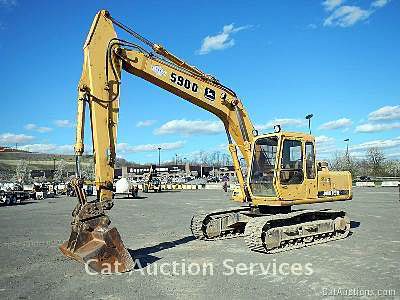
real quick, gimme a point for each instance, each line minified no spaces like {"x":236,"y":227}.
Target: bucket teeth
{"x":99,"y":247}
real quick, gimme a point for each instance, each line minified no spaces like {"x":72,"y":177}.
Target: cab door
{"x":292,"y":183}
{"x":310,"y":178}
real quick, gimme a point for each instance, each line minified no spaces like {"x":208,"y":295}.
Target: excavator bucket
{"x":99,"y":247}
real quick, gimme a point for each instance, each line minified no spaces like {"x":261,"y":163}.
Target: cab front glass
{"x":263,"y":167}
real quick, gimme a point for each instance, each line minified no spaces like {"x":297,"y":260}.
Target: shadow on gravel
{"x":143,"y":254}
{"x":142,"y":262}
{"x":165,"y":191}
{"x":354,"y":224}
{"x":130,"y":198}
{"x":22,"y":203}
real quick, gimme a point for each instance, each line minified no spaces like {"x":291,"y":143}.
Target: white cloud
{"x":145,"y":123}
{"x":224,"y":147}
{"x":325,"y":144}
{"x":190,"y":127}
{"x":126,"y":148}
{"x":64,"y":123}
{"x":43,"y":129}
{"x":379,"y":3}
{"x":385,"y":113}
{"x":49,"y":148}
{"x":346,"y":16}
{"x":331,"y":4}
{"x":357,"y":154}
{"x":322,"y":139}
{"x":389,"y":143}
{"x":11,"y":138}
{"x":222,"y":40}
{"x":30,"y":126}
{"x":322,"y":149}
{"x":40,"y":129}
{"x":340,"y":123}
{"x":8,"y":3}
{"x":311,"y":26}
{"x":282,"y":122}
{"x":394,"y":154}
{"x":362,"y":154}
{"x":368,"y":128}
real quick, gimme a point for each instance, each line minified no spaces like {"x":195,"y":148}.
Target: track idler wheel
{"x":94,"y":244}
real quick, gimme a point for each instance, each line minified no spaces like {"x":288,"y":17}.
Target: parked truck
{"x":13,"y":194}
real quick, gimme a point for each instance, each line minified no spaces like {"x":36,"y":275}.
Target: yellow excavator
{"x":152,"y":182}
{"x":282,"y":169}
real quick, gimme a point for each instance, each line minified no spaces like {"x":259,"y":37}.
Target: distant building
{"x":49,"y":174}
{"x":137,"y":172}
{"x":41,"y":173}
{"x":9,"y":149}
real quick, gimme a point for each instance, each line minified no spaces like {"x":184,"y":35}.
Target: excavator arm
{"x":105,"y":56}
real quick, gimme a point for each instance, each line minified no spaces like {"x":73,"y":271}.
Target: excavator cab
{"x":284,"y":172}
{"x":283,"y":167}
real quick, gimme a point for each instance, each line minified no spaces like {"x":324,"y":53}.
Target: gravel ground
{"x":171,"y":264}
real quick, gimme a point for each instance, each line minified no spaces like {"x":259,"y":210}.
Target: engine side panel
{"x":332,"y":184}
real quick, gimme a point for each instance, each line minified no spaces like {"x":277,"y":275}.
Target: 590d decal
{"x":181,"y":81}
{"x":187,"y":84}
{"x":209,"y":94}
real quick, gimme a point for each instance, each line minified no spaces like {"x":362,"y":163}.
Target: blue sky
{"x":338,"y":60}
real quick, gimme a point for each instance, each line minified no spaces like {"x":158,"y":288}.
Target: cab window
{"x":292,"y":162}
{"x":310,"y":160}
{"x":263,"y":167}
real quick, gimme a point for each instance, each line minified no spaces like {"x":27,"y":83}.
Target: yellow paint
{"x":190,"y":84}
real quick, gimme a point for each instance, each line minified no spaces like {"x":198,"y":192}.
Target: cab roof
{"x":295,"y":135}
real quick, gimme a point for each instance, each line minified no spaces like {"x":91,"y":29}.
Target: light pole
{"x":159,"y":157}
{"x":347,"y":149}
{"x":184,"y":159}
{"x":308,"y":117}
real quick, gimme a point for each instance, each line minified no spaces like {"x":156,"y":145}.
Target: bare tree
{"x":22,"y":173}
{"x":121,"y":162}
{"x":375,"y":158}
{"x":41,"y":179}
{"x":7,"y":174}
{"x":212,"y":159}
{"x":61,"y":171}
{"x":391,"y":168}
{"x":88,"y":170}
{"x":344,"y":162}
